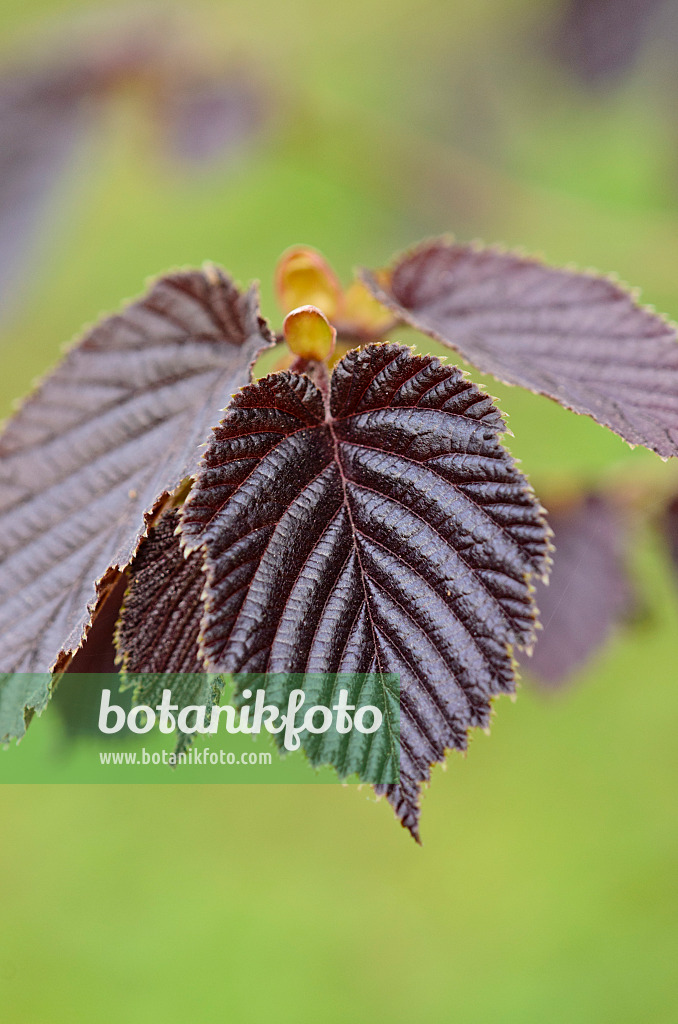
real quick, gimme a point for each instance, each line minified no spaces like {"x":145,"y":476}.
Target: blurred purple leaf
{"x":208,"y":120}
{"x":670,"y":529}
{"x":49,"y":101}
{"x":589,"y":591}
{"x":49,"y":105}
{"x":599,"y":40}
{"x":43,"y":118}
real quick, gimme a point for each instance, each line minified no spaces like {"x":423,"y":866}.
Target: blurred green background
{"x":546,"y":886}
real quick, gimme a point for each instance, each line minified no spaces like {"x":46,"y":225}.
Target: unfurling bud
{"x":303,"y":276}
{"x":362,"y":313}
{"x":309,"y":333}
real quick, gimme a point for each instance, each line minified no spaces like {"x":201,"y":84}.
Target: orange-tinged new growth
{"x":304,"y":276}
{"x":362,"y":312}
{"x":309,"y":333}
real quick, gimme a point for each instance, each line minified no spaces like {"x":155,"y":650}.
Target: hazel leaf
{"x":90,"y":457}
{"x":600,"y":40}
{"x":157,"y":636}
{"x":43,"y":118}
{"x":22,"y":695}
{"x":382,"y":529}
{"x":160,"y":618}
{"x":669,"y":529}
{"x":376,"y":760}
{"x":210,"y":119}
{"x":580,"y":339}
{"x":50,"y":103}
{"x":590,"y":591}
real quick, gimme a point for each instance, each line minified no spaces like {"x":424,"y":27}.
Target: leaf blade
{"x":389,"y":533}
{"x":86,"y":460}
{"x":22,"y":694}
{"x":157,"y":634}
{"x":590,"y":591}
{"x":579,"y":339}
{"x":375,"y":761}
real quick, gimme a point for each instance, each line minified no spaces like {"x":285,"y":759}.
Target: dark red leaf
{"x":91,"y":453}
{"x":97,"y":654}
{"x":382,"y":530}
{"x":589,"y":591}
{"x":161,"y":615}
{"x":77,"y":695}
{"x":157,"y":636}
{"x":580,"y":339}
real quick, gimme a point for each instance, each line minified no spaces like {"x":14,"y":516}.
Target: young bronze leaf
{"x":577,"y":338}
{"x":90,"y":454}
{"x":589,"y":591}
{"x":381,"y":530}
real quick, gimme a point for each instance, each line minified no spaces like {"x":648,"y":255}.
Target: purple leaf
{"x":91,"y":454}
{"x":42,"y":120}
{"x":589,"y":591}
{"x":77,"y":694}
{"x":161,"y":615}
{"x":97,"y":654}
{"x":158,"y":632}
{"x":579,"y":339}
{"x":600,"y":39}
{"x":206,"y":120}
{"x":47,"y":107}
{"x":383,"y":529}
{"x":670,"y":529}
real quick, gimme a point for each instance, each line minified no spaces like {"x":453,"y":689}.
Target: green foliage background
{"x":545,"y":890}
